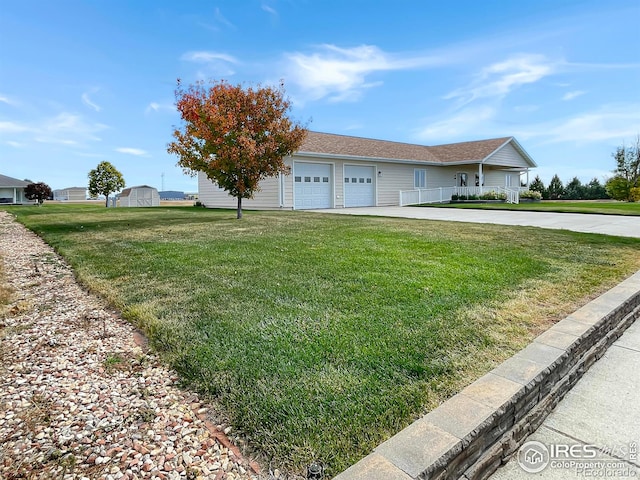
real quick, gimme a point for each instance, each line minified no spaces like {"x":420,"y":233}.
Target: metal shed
{"x":140,"y":196}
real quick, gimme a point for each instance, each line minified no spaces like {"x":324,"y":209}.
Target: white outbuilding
{"x":140,"y":196}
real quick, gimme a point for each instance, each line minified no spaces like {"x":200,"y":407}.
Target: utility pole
{"x":162,"y":176}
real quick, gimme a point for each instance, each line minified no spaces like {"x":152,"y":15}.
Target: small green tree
{"x":104,"y":180}
{"x":627,"y":172}
{"x":618,"y":188}
{"x":594,"y":190}
{"x":555,"y":189}
{"x":538,"y":186}
{"x":574,"y":190}
{"x":38,"y":191}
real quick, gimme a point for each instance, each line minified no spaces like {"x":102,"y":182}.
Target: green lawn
{"x":600,"y":207}
{"x":319,"y":336}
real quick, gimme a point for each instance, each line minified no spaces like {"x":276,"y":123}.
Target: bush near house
{"x":491,"y":195}
{"x":532,"y":194}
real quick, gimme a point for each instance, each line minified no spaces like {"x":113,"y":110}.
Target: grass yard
{"x":566,"y":206}
{"x":319,"y":336}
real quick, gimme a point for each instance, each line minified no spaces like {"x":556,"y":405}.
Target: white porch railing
{"x":443,"y":194}
{"x":426,"y":195}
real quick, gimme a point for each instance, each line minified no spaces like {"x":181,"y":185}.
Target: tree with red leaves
{"x":38,"y":191}
{"x":236,"y":136}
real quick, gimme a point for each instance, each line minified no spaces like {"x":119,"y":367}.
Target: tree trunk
{"x":106,"y":203}
{"x":239,"y":208}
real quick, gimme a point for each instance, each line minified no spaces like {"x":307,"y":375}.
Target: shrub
{"x":493,"y":195}
{"x":531,"y":194}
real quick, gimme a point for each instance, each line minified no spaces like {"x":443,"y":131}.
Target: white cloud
{"x":215,"y":64}
{"x":341,"y":73}
{"x":55,"y":141}
{"x":7,"y":100}
{"x":13,"y":127}
{"x":571,"y":95}
{"x":468,"y":122}
{"x":65,"y":128}
{"x":72,"y":125}
{"x":498,"y":79}
{"x":269,"y":10}
{"x":13,"y":144}
{"x":133,"y":151}
{"x":87,"y":101}
{"x":157,"y":107}
{"x":611,"y":122}
{"x":207,"y":57}
{"x":607,"y":124}
{"x":223,"y":20}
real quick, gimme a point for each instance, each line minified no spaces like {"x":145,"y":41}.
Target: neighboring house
{"x":140,"y":196}
{"x":336,"y":171}
{"x":12,"y":190}
{"x":172,"y":195}
{"x":71,"y":194}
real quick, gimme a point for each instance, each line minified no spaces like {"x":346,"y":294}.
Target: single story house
{"x":71,"y":194}
{"x":140,"y":196}
{"x":12,"y":190}
{"x":336,"y":171}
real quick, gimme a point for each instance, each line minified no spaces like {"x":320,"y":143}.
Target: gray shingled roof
{"x":332,"y":144}
{"x":343,"y":145}
{"x":11,"y":182}
{"x":467,"y":151}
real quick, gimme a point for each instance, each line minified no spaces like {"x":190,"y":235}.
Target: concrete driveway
{"x":605,"y":224}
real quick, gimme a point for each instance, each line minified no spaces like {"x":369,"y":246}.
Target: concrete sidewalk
{"x":600,"y":414}
{"x":605,"y":224}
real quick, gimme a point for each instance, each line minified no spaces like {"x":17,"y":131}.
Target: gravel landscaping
{"x":81,"y":397}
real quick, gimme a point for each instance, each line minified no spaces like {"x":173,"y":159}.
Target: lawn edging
{"x":476,"y":431}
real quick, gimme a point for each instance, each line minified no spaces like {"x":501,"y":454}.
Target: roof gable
{"x":474,"y":151}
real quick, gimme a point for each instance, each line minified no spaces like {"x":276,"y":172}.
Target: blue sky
{"x":87,"y":81}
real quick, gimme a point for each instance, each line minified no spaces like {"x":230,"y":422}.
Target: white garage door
{"x":359,"y":190}
{"x":312,"y":185}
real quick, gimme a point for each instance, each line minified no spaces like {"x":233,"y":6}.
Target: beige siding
{"x":444,"y":176}
{"x":494,"y":178}
{"x":212,"y":196}
{"x":507,"y":156}
{"x":394,"y":177}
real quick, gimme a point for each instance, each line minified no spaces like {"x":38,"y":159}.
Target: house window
{"x":368,"y":180}
{"x":307,"y":179}
{"x":316,"y":179}
{"x":298,"y":179}
{"x":507,"y":180}
{"x":325,"y":179}
{"x":419,"y":178}
{"x":346,"y":179}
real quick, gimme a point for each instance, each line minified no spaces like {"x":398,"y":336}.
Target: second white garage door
{"x":312,"y":185}
{"x":359,"y":188}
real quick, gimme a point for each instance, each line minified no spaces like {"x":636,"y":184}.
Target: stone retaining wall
{"x":474,"y":432}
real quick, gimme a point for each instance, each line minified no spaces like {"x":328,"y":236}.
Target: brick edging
{"x":473,"y":433}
